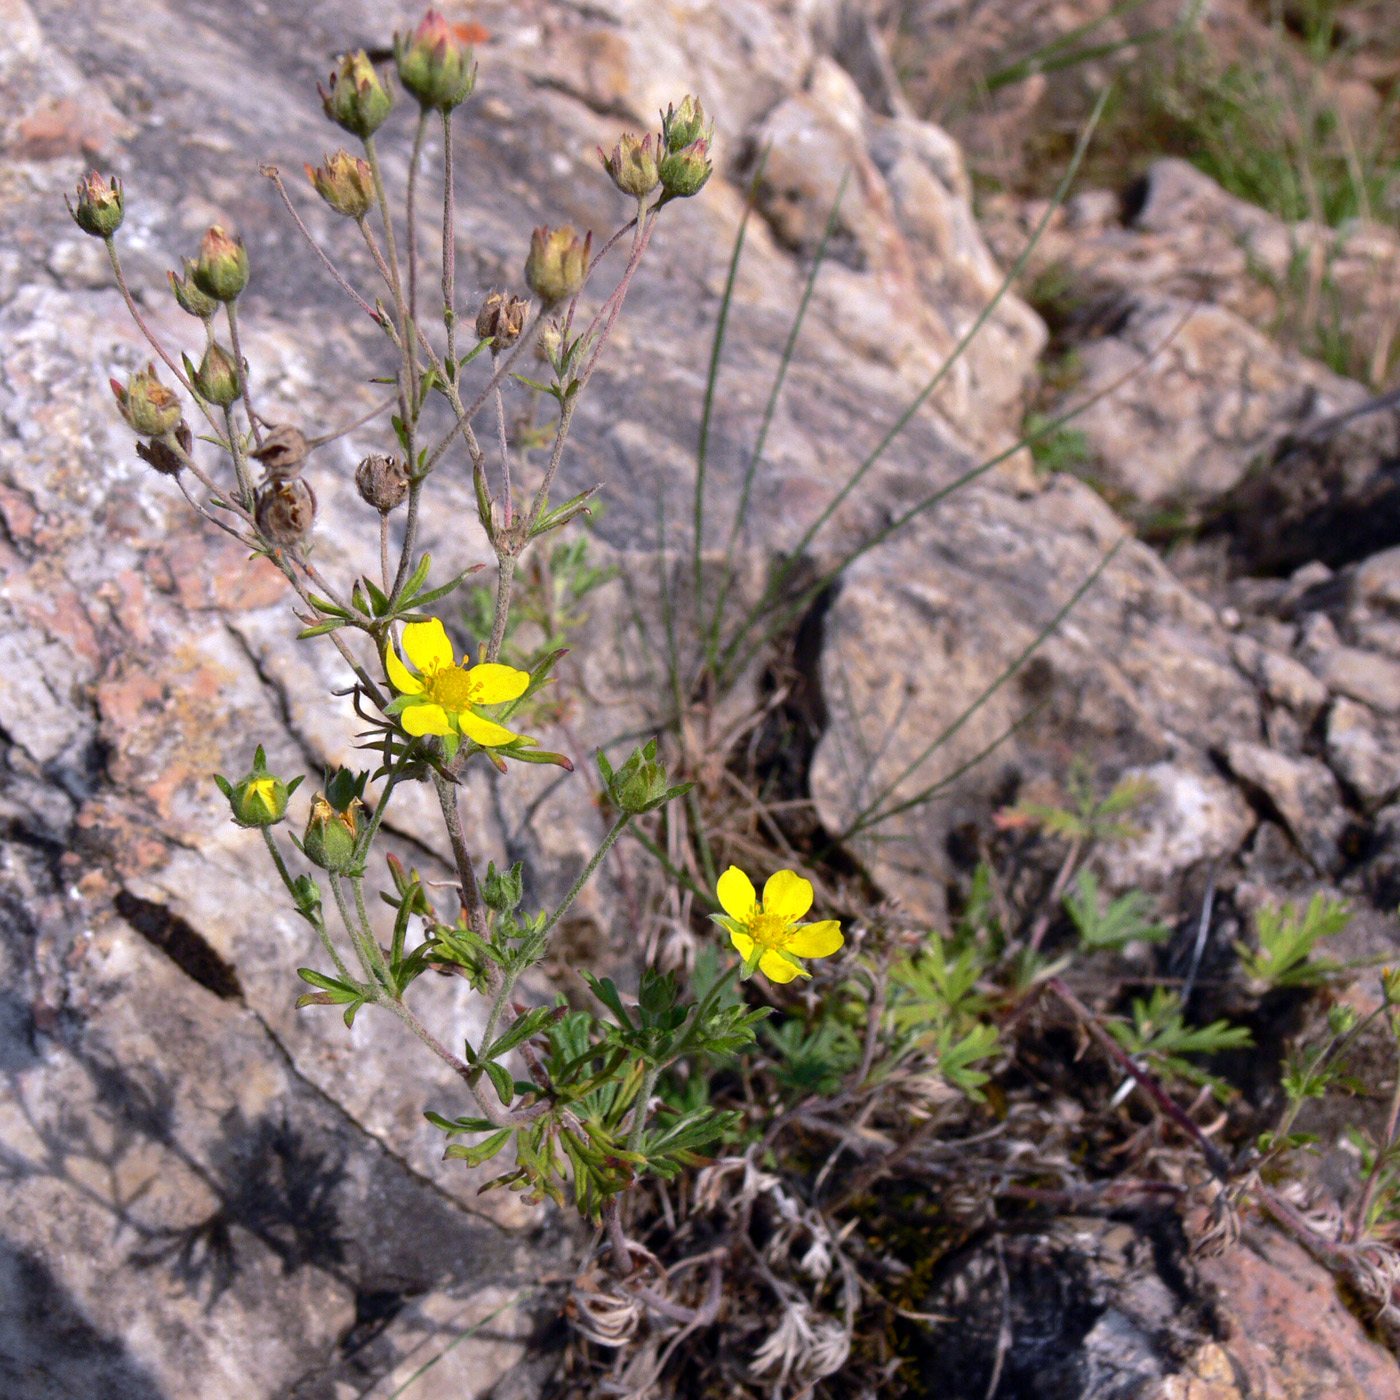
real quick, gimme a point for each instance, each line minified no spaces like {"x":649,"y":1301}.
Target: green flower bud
{"x":684,"y":127}
{"x":503,"y":891}
{"x":632,"y":166}
{"x":345,"y":182}
{"x":260,"y":799}
{"x":557,"y":263}
{"x":434,"y":64}
{"x":357,"y":100}
{"x":329,"y":840}
{"x":217,"y":380}
{"x":151,"y":408}
{"x":222,"y":269}
{"x":641,"y":784}
{"x":100,"y":205}
{"x":190,"y":298}
{"x":501,"y":319}
{"x":684,"y":172}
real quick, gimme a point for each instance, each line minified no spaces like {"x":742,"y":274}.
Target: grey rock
{"x":1302,"y":791}
{"x":1284,"y":680}
{"x":1362,"y":756}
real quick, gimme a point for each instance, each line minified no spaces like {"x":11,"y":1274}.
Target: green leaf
{"x":418,"y":577}
{"x":320,"y":629}
{"x":531,"y":1023}
{"x":606,"y":991}
{"x":482,"y":1152}
{"x":326,"y":606}
{"x":379,"y":600}
{"x":500,"y":1078}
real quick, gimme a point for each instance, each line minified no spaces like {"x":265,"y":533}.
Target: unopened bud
{"x":282,"y":452}
{"x":345,"y":182}
{"x":557,"y":263}
{"x":100,"y":207}
{"x":260,"y":799}
{"x":329,"y":840}
{"x":684,"y":172}
{"x":161,"y":452}
{"x":146,"y":403}
{"x":222,"y":269}
{"x":188,"y":295}
{"x":382,"y":483}
{"x":435,"y":65}
{"x":684,"y":125}
{"x":632,"y":166}
{"x":501,"y":319}
{"x":357,"y":100}
{"x":217,"y":380}
{"x":285,"y":511}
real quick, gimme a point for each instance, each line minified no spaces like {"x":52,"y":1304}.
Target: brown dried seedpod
{"x":282,"y":452}
{"x":285,"y":510}
{"x":501,"y":319}
{"x":382,"y":482}
{"x":164,"y":458}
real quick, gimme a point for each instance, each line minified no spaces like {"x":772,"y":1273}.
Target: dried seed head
{"x":382,"y":482}
{"x":345,"y":182}
{"x":221,"y":271}
{"x":501,"y":319}
{"x":100,"y":205}
{"x":357,"y":100}
{"x":159,"y":453}
{"x":282,"y":452}
{"x":285,"y":511}
{"x":557,"y":263}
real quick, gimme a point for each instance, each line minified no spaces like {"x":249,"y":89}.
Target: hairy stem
{"x":466,"y":871}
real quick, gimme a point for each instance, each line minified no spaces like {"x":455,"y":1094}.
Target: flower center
{"x":770,"y":930}
{"x":451,"y":688}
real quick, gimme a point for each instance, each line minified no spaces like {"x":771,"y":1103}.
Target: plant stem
{"x":588,"y":870}
{"x":238,"y":360}
{"x":639,"y":1111}
{"x":466,"y":872}
{"x":317,"y":922}
{"x":361,"y":952}
{"x":449,"y":241}
{"x":504,"y":576}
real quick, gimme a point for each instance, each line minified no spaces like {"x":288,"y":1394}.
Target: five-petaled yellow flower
{"x":442,"y":697}
{"x":768,"y":935}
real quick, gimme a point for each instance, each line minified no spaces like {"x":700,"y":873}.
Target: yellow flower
{"x":768,"y":935}
{"x":442,"y":697}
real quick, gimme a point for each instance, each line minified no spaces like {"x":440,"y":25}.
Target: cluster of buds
{"x":357,"y":100}
{"x":434,"y":65}
{"x":382,"y":482}
{"x":686,"y":138}
{"x":101,"y":205}
{"x":501,"y":320}
{"x":345,"y":182}
{"x":557,"y":263}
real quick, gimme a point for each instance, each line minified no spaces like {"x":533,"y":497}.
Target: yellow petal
{"x":787,"y":894}
{"x":426,"y":645}
{"x":493,"y":683}
{"x":743,"y":944}
{"x":425,"y":719}
{"x":483,"y":731}
{"x":737,"y":895}
{"x":777,"y":969}
{"x":816,"y":940}
{"x":400,"y":677}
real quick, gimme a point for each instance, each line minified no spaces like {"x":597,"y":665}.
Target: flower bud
{"x":684,"y":172}
{"x":222,"y":269}
{"x":641,"y":784}
{"x":100,"y":205}
{"x":357,"y":100}
{"x":217,"y":380}
{"x":501,"y":319}
{"x":160,"y":453}
{"x":632,"y":166}
{"x":382,"y":483}
{"x":188,"y":295}
{"x":557,"y":263}
{"x":684,"y":126}
{"x":285,"y":511}
{"x":345,"y":182}
{"x":146,"y":403}
{"x":329,"y":840}
{"x":434,"y":65}
{"x":260,"y":799}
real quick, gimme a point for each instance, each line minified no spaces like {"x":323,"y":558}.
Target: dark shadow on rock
{"x":49,"y":1350}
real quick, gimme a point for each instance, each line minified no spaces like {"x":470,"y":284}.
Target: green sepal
{"x":751,"y":962}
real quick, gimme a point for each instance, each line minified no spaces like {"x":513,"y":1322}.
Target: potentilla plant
{"x":581,"y":1123}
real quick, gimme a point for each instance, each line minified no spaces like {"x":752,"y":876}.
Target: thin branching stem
{"x":231,"y":310}
{"x":466,"y":870}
